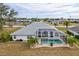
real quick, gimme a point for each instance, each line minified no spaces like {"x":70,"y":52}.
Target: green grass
{"x":9,"y":29}
{"x":62,"y":29}
{"x":5,"y":34}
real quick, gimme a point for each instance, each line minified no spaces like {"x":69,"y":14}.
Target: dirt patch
{"x":20,"y":49}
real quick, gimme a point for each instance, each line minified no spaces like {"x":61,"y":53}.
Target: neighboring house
{"x":74,"y":30}
{"x":23,"y":20}
{"x":46,"y":34}
{"x":56,"y":21}
{"x":73,"y":20}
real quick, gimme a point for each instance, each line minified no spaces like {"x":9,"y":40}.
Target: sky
{"x":46,"y":10}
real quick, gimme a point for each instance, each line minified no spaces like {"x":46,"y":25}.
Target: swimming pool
{"x":56,"y":41}
{"x":49,"y":41}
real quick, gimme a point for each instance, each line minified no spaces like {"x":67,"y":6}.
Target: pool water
{"x":53,"y":41}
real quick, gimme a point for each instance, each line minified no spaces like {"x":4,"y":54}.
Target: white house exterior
{"x":45,"y":34}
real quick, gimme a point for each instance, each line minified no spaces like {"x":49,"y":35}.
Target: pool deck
{"x":54,"y":45}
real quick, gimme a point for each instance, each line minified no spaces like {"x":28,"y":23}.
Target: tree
{"x":11,"y":17}
{"x":45,"y":19}
{"x":3,"y":12}
{"x":6,"y":14}
{"x":31,"y":42}
{"x":66,"y":23}
{"x":55,"y":24}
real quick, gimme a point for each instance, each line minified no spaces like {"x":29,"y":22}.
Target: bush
{"x":31,"y":42}
{"x":5,"y":36}
{"x":68,"y":32}
{"x":77,"y":36}
{"x":71,"y":40}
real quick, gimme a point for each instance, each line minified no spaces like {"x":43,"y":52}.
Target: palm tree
{"x":66,"y":23}
{"x":71,"y":41}
{"x":31,"y":42}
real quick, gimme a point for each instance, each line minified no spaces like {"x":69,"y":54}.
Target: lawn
{"x":5,"y":34}
{"x":9,"y":29}
{"x":62,"y":29}
{"x":20,"y":49}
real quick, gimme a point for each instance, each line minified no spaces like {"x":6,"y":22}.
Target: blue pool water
{"x":46,"y":41}
{"x":55,"y":41}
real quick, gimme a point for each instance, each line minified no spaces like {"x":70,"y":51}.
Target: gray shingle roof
{"x":76,"y":29}
{"x":31,"y":29}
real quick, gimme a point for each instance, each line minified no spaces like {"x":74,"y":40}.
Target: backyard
{"x":20,"y":48}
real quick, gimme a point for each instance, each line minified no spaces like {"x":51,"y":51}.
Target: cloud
{"x":46,"y":9}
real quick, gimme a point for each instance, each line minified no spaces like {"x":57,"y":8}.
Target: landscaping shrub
{"x":77,"y":36}
{"x":68,"y":32}
{"x":5,"y":36}
{"x":76,"y":22}
{"x":71,"y":40}
{"x":31,"y":42}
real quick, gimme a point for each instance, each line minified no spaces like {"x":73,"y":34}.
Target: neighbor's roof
{"x":74,"y":30}
{"x":32,"y":28}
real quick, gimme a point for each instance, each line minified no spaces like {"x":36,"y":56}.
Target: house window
{"x":56,"y":34}
{"x":45,"y":34}
{"x":62,"y":37}
{"x":51,"y":34}
{"x":14,"y":37}
{"x":39,"y":34}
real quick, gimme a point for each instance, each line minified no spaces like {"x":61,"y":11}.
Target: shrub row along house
{"x":45,"y":34}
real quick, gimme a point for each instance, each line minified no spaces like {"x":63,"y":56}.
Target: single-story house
{"x":74,"y":20}
{"x":23,"y":20}
{"x":56,"y":21}
{"x":45,"y":33}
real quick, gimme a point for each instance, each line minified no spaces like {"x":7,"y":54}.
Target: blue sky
{"x":40,"y":10}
